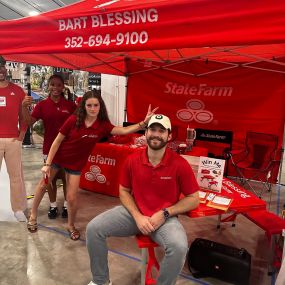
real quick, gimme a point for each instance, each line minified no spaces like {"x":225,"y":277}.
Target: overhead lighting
{"x":106,"y":4}
{"x":34,"y":13}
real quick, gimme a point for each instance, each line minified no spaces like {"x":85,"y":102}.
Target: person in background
{"x":27,"y":141}
{"x":12,"y":132}
{"x":53,"y":111}
{"x":71,"y":148}
{"x":67,"y":94}
{"x":78,"y":100}
{"x":151,"y":183}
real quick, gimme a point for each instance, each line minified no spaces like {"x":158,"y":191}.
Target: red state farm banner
{"x":239,"y":99}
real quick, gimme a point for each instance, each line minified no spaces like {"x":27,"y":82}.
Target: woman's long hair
{"x":81,"y":111}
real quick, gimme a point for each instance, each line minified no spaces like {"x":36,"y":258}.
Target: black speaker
{"x":207,"y":258}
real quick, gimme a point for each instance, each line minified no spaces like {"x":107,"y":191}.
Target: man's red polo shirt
{"x":11,"y":98}
{"x":157,"y":187}
{"x":78,"y":143}
{"x":53,"y":115}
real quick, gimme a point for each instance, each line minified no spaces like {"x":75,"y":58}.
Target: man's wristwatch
{"x":165,"y":213}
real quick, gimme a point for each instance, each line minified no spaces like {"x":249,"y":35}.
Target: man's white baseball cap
{"x":160,"y":119}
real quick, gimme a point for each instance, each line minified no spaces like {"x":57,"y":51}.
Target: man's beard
{"x":159,"y":146}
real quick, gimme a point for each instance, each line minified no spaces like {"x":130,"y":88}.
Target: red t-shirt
{"x":78,"y":143}
{"x":11,"y":98}
{"x":53,"y":116}
{"x":157,"y":187}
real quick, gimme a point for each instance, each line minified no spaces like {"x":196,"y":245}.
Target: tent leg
{"x":280,"y":171}
{"x":125,"y":114}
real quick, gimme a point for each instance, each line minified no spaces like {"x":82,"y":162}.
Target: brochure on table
{"x":215,"y":200}
{"x":219,"y":202}
{"x":210,"y":177}
{"x":210,"y":173}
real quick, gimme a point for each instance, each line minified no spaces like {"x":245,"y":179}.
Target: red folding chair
{"x":256,"y":161}
{"x":149,"y":261}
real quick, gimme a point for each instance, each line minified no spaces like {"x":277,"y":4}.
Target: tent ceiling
{"x":10,"y":10}
{"x":268,"y":58}
{"x":259,"y":46}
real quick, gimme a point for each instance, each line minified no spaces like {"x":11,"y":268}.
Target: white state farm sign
{"x":95,"y":174}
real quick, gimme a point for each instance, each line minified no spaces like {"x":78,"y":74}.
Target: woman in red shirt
{"x":73,"y":145}
{"x":53,"y":111}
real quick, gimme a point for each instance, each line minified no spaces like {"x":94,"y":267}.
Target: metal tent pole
{"x":280,"y":170}
{"x":126,"y":94}
{"x":282,"y":155}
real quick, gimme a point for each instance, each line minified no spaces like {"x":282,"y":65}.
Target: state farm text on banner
{"x":197,"y":90}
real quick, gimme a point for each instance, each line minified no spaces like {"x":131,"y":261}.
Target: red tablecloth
{"x":101,"y":172}
{"x":243,"y":201}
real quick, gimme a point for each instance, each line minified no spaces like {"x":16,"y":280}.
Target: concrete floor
{"x":50,"y":257}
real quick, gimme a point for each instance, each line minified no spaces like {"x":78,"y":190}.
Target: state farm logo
{"x":99,"y":159}
{"x":195,"y":111}
{"x":95,"y":174}
{"x":201,"y":89}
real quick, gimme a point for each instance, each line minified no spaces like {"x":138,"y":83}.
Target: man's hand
{"x":157,"y":219}
{"x":144,"y":224}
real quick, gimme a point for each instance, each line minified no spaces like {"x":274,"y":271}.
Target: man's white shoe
{"x":20,"y":216}
{"x":107,"y":283}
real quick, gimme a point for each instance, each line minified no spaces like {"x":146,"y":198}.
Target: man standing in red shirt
{"x":12,"y":132}
{"x":152,"y":181}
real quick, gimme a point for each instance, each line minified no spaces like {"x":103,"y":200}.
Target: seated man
{"x":152,"y":180}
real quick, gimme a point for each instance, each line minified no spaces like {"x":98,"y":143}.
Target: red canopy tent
{"x":100,"y":35}
{"x":162,"y":38}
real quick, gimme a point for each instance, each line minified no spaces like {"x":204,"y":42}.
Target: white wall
{"x":6,"y":213}
{"x":113,"y":89}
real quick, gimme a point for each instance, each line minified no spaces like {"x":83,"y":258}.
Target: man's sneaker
{"x":53,"y":212}
{"x":107,"y":283}
{"x":64,"y":212}
{"x":20,"y":216}
{"x":28,"y":146}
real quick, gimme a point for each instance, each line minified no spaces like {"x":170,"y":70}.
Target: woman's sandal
{"x":32,"y":225}
{"x":74,"y":234}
